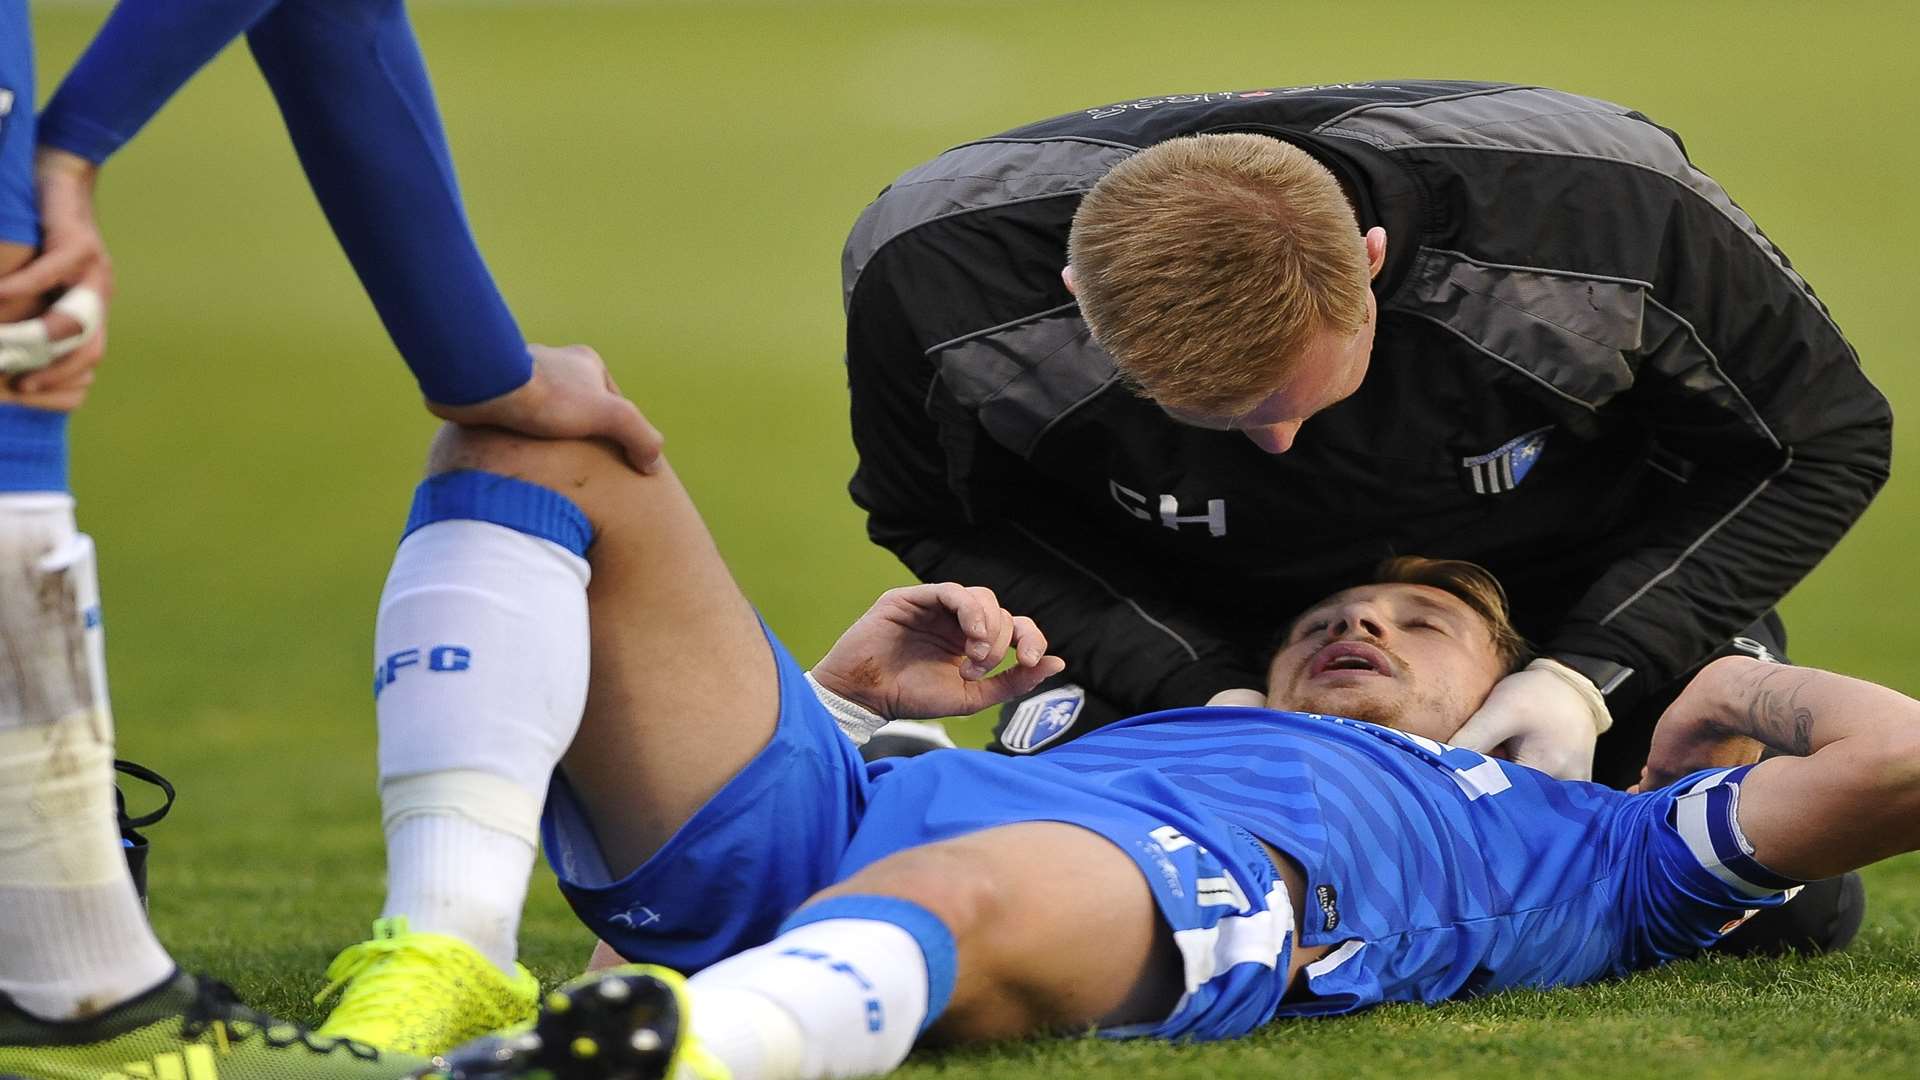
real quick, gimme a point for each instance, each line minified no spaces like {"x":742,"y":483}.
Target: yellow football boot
{"x":187,"y":1028}
{"x":422,"y":994}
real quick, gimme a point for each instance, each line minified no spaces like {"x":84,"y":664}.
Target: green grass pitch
{"x":671,"y":183}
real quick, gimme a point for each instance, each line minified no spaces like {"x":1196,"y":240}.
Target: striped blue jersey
{"x":1437,"y":871}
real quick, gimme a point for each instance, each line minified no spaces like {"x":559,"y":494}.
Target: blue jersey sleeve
{"x":352,"y":86}
{"x":19,"y":222}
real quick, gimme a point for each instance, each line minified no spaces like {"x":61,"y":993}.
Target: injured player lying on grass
{"x":1185,"y":874}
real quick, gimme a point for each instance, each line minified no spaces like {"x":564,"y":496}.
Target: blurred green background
{"x":671,"y":182}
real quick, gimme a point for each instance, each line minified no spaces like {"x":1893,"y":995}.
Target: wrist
{"x":853,"y":717}
{"x":529,"y":398}
{"x":52,"y":164}
{"x":1589,"y":694}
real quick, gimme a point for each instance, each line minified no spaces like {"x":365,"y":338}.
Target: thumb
{"x":1485,"y":729}
{"x":1017,"y":681}
{"x":638,"y":438}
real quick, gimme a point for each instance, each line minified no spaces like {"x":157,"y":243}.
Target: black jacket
{"x":1593,"y":374}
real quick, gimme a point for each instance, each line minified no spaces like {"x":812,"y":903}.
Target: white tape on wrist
{"x":856,"y":720}
{"x":1596,"y":701}
{"x":25,"y":346}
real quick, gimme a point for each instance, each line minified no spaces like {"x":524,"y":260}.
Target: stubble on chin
{"x":1383,"y":709}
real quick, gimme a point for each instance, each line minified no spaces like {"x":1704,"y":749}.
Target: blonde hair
{"x":1208,"y":264}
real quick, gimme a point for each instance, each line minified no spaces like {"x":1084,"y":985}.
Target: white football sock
{"x":450,"y":874}
{"x":74,"y":939}
{"x":835,"y":998}
{"x":481,"y":670}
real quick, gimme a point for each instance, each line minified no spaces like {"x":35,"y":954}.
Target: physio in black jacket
{"x":1461,"y":320}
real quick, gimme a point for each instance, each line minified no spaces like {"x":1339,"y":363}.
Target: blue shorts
{"x":806,"y":812}
{"x":19,"y":214}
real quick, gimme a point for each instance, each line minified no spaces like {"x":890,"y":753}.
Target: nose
{"x":1357,"y":620}
{"x":1274,"y":438}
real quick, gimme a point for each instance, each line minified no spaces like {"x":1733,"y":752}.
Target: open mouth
{"x":1350,"y":656}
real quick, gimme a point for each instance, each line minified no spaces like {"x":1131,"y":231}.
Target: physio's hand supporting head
{"x":1541,"y":717}
{"x":927,"y":651}
{"x":571,"y":395}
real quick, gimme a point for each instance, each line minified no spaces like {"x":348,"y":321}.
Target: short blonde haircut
{"x":1208,"y":264}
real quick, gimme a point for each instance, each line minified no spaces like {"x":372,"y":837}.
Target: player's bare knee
{"x":948,"y":879}
{"x":569,"y":466}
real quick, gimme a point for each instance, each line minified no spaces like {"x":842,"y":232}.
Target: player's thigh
{"x":683,"y":690}
{"x":1055,"y":927}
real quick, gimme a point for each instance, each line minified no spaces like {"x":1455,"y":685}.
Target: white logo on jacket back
{"x":1168,"y":507}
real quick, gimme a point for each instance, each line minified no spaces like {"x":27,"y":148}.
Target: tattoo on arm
{"x":1775,"y":715}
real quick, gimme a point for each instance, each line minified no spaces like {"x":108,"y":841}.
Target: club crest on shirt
{"x":1501,"y":469}
{"x":1043,"y":718}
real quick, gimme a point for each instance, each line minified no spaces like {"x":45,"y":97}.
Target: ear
{"x":1376,"y":240}
{"x":1066,"y":278}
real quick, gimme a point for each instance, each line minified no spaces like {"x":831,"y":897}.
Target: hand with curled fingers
{"x":571,"y":395}
{"x":48,"y":353}
{"x":928,"y":651}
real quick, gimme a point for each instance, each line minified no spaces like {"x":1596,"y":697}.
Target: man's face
{"x":1411,"y":657}
{"x":1329,"y":372}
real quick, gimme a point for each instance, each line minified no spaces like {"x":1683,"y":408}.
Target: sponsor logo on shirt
{"x":1502,"y":468}
{"x":1043,"y":718}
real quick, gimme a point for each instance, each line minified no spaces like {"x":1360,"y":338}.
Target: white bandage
{"x":857,"y":721}
{"x":26,"y":346}
{"x":1596,"y":701}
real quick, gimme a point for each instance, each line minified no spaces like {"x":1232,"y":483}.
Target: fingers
{"x":72,"y":371}
{"x":1019,"y":680}
{"x":43,"y":275}
{"x":990,"y":630}
{"x":638,"y":439}
{"x":66,"y":398}
{"x":1484,"y":730}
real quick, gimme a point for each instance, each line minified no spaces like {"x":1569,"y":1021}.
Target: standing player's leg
{"x":482,"y":679}
{"x":73,"y":937}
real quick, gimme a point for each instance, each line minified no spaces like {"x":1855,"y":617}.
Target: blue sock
{"x":473,"y":495}
{"x":33,"y":449}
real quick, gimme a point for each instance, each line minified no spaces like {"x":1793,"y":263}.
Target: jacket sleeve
{"x":1779,"y":438}
{"x":954,"y":506}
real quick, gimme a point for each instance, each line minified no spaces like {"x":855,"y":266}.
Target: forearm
{"x":353,"y":88}
{"x":1803,"y":711}
{"x":1850,"y":795}
{"x":142,"y":55}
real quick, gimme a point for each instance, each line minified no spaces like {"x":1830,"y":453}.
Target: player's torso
{"x":1432,"y":871}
